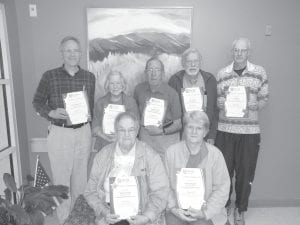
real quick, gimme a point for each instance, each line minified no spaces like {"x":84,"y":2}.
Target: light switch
{"x":32,"y":10}
{"x":268,"y":31}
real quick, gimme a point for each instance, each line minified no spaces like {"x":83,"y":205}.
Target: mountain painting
{"x":124,"y":39}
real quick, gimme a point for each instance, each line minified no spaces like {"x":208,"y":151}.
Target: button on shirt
{"x":55,"y":83}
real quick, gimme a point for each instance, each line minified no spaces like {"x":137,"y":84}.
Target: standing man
{"x":166,"y":133}
{"x":238,"y":136}
{"x":193,"y":77}
{"x":68,"y":144}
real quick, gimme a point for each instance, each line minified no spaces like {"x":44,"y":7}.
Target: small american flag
{"x":41,"y":178}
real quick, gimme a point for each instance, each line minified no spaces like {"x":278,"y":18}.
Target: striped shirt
{"x":254,"y":78}
{"x":55,"y":83}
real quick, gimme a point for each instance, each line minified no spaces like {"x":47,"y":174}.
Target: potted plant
{"x":28,"y":205}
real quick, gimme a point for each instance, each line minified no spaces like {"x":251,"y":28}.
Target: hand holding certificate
{"x":154,"y":112}
{"x":190,"y":188}
{"x":124,"y":194}
{"x":236,"y":102}
{"x":192,"y":99}
{"x":110,"y":114}
{"x":77,"y":106}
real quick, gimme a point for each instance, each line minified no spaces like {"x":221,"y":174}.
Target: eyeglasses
{"x":131,"y":131}
{"x":192,"y":62}
{"x":76,"y":51}
{"x":242,"y":51}
{"x":153,"y":70}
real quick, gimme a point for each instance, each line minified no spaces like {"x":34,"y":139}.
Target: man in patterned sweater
{"x":238,"y":137}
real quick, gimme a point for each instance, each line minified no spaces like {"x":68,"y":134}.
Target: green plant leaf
{"x":8,"y":194}
{"x":37,"y":218}
{"x":10,"y":182}
{"x":19,"y":215}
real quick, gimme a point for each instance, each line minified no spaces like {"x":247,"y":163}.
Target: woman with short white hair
{"x":194,"y":152}
{"x":115,"y":86}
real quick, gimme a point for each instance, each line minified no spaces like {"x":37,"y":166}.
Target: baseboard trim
{"x":261,"y":203}
{"x":38,"y":145}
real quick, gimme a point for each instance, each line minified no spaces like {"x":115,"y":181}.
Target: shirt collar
{"x":160,"y":89}
{"x":63,"y":69}
{"x":249,"y":67}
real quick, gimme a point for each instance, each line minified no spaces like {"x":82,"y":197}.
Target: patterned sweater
{"x":254,"y":78}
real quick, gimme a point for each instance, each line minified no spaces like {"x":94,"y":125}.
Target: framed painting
{"x":123,"y":39}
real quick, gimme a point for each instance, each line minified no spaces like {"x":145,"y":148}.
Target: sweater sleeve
{"x":263,"y":92}
{"x":212,"y":109}
{"x":95,"y":197}
{"x":220,"y":187}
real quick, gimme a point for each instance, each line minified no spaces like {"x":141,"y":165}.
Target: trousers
{"x":68,"y":151}
{"x":240,"y":152}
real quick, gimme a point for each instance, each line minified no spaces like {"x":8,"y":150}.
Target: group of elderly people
{"x":155,"y":153}
{"x":158,"y":153}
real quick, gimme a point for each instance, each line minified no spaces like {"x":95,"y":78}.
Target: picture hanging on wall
{"x":123,"y":39}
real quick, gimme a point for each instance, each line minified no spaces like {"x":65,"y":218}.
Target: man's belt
{"x":75,"y":126}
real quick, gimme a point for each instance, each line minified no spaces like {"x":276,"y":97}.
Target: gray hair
{"x":242,"y":39}
{"x":66,"y":39}
{"x":128,"y":115}
{"x":113,"y":73}
{"x":198,"y":117}
{"x":155,"y":59}
{"x":187,"y":52}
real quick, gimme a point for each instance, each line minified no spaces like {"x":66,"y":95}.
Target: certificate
{"x":110,"y":114}
{"x":154,"y":112}
{"x":77,"y":106}
{"x":190,"y":188}
{"x":124,"y":196}
{"x":192,"y":99}
{"x":236,"y":102}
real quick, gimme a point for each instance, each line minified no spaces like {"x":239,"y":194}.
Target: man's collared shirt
{"x":254,"y":78}
{"x":55,"y":83}
{"x":143,"y":93}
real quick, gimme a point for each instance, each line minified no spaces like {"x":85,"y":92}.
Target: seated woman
{"x":115,"y":85}
{"x":194,"y":152}
{"x":128,"y":156}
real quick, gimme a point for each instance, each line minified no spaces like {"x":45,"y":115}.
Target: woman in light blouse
{"x":194,"y":152}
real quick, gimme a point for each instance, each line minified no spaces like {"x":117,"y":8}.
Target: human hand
{"x":154,"y":131}
{"x":138,"y":220}
{"x":195,"y":213}
{"x":110,"y":137}
{"x":221,"y":102}
{"x":112,"y":218}
{"x":59,"y":113}
{"x":182,"y":214}
{"x":253,"y":105}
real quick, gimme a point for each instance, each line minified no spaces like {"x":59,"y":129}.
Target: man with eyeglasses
{"x":68,"y":144}
{"x":242,"y":92}
{"x":166,"y":132}
{"x":128,"y":156}
{"x":193,"y":78}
